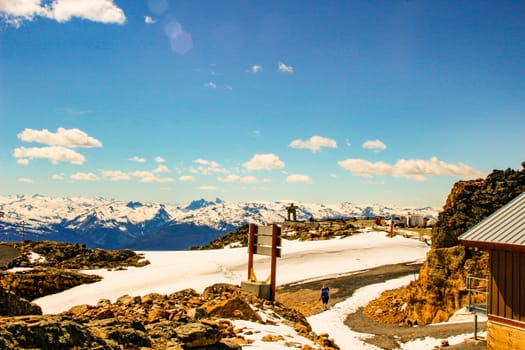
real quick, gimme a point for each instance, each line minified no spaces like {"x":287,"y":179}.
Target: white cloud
{"x":62,"y":137}
{"x":25,"y":180}
{"x":207,"y":188}
{"x":256,"y":133}
{"x":149,"y":20}
{"x":155,"y":179}
{"x":314,"y":144}
{"x":103,"y":11}
{"x":256,"y":68}
{"x":362,"y":167}
{"x":137,"y":159}
{"x":210,"y":85}
{"x":159,"y":159}
{"x":16,"y":12}
{"x":264,"y":162}
{"x":298,"y":178}
{"x":207,"y":167}
{"x":142,"y":173}
{"x":238,"y":179}
{"x":347,"y":142}
{"x":186,"y":178}
{"x":414,"y":169}
{"x":115,"y":175}
{"x":161,"y":169}
{"x":375,"y":145}
{"x":58,"y":177}
{"x":284,"y":68}
{"x":54,"y":154}
{"x":149,"y":177}
{"x":84,"y":177}
{"x":73,"y":111}
{"x":22,"y":161}
{"x":418,"y":168}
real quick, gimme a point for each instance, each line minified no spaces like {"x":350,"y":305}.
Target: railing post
{"x":469,"y":294}
{"x":475,"y":326}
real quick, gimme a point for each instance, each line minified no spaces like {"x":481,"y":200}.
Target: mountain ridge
{"x":114,"y":224}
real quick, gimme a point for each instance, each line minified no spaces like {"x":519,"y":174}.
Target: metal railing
{"x":478,"y":285}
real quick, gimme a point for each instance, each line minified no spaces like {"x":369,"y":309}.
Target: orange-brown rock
{"x":440,"y":289}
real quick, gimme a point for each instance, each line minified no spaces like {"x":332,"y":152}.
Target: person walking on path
{"x":325,"y":295}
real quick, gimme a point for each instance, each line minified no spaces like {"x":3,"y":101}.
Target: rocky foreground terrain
{"x":181,"y":320}
{"x":46,"y":267}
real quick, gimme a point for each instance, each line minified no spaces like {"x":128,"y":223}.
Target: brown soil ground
{"x":7,"y":254}
{"x":304,"y":296}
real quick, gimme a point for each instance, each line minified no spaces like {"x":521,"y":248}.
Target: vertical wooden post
{"x":275,"y":234}
{"x":251,"y":244}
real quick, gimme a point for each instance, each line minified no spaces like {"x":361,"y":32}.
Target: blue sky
{"x":317,"y":101}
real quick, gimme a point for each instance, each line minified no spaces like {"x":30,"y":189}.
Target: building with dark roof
{"x":502,"y":234}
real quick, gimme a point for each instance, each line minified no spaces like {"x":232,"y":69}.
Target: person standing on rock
{"x":325,"y":295}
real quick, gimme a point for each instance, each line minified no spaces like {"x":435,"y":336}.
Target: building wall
{"x":504,"y":337}
{"x":506,"y":297}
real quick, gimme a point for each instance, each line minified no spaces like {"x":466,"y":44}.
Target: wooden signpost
{"x":263,"y":240}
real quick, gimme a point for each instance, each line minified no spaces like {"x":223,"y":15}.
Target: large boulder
{"x":13,"y":305}
{"x":197,"y":334}
{"x":47,"y":333}
{"x":39,"y":282}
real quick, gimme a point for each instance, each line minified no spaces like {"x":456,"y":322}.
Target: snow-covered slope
{"x":111,"y":223}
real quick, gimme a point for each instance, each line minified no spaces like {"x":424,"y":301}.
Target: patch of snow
{"x":20,"y":269}
{"x":463,"y":315}
{"x":233,"y":245}
{"x":430,"y":343}
{"x":36,"y":258}
{"x":256,"y":331}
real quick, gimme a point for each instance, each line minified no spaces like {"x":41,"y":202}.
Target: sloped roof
{"x":505,"y":227}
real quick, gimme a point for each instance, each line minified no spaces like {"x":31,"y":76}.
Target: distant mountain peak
{"x":134,"y":205}
{"x":113,"y":223}
{"x":202,"y":203}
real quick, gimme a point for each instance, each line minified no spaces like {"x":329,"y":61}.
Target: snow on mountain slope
{"x":43,"y":210}
{"x":105,"y":218}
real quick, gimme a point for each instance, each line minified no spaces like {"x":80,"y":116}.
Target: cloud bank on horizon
{"x":61,"y":142}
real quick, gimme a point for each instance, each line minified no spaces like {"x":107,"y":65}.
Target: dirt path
{"x":304,"y":296}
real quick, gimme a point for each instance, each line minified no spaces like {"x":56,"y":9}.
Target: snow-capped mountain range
{"x":111,"y":223}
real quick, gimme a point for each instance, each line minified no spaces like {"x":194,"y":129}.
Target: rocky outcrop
{"x":12,"y":305}
{"x":238,"y":237}
{"x":48,"y":332}
{"x":39,"y":282}
{"x":182,"y":320}
{"x":71,"y":256}
{"x":303,"y":231}
{"x":46,"y":267}
{"x":440,"y":289}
